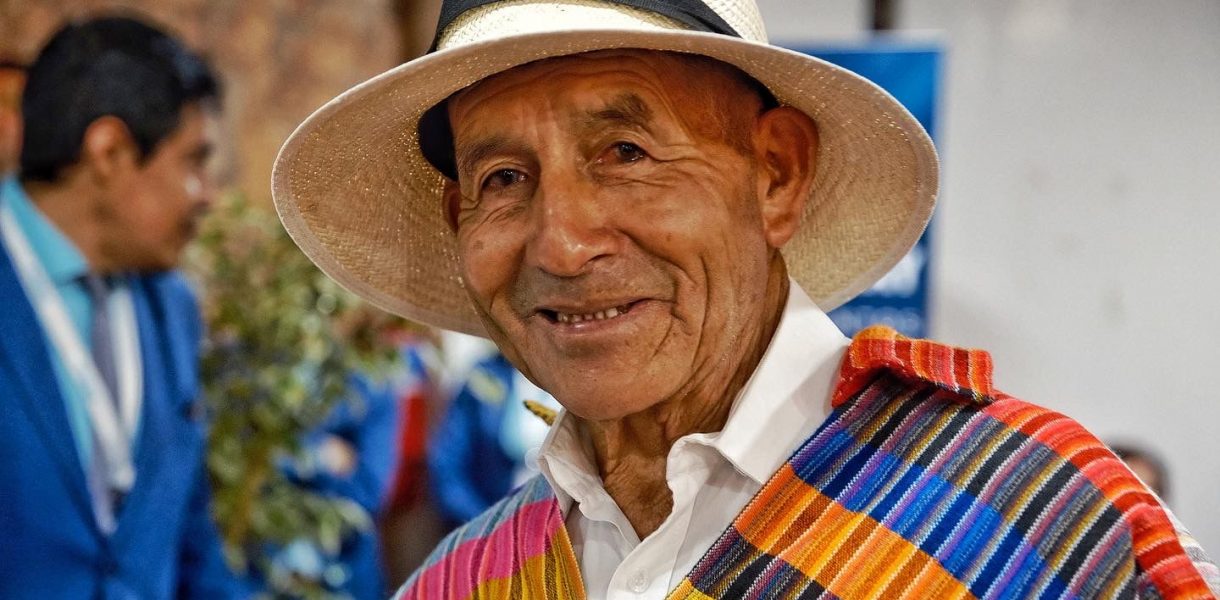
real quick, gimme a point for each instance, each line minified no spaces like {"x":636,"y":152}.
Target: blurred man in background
{"x":101,"y":446}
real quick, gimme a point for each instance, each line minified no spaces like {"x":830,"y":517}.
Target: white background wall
{"x":1077,"y":233}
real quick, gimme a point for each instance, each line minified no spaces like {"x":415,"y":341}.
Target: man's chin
{"x":159,"y":264}
{"x":601,"y":405}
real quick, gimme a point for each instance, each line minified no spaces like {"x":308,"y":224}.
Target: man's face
{"x":609,"y":231}
{"x":12,"y":81}
{"x":156,"y":204}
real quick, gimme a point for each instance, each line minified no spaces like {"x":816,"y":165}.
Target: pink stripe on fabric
{"x":499,"y":554}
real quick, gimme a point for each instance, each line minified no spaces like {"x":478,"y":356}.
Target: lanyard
{"x":113,"y":428}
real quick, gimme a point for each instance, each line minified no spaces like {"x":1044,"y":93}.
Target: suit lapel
{"x":28,"y":377}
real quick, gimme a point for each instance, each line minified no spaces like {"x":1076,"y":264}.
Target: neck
{"x":74,"y":210}
{"x":631,"y":452}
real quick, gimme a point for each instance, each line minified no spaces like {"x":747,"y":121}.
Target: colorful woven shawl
{"x":923,"y":483}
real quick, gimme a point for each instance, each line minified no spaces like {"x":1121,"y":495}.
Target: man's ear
{"x":451,"y":202}
{"x":786,"y":147}
{"x":108,"y":149}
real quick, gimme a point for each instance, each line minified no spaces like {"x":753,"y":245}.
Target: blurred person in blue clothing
{"x":487,"y":442}
{"x":102,"y":485}
{"x":352,"y":455}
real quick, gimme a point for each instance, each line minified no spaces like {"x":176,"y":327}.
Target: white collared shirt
{"x":711,"y":475}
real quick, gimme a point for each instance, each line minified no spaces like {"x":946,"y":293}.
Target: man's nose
{"x":572,"y":228}
{"x":203,"y":191}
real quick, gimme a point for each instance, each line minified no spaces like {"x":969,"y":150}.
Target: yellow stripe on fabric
{"x":825,"y":550}
{"x":531,"y":580}
{"x":687,"y":591}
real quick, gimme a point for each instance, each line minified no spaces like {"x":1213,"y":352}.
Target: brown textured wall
{"x":280,"y":59}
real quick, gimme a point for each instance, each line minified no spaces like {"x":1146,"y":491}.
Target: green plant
{"x":283,"y":340}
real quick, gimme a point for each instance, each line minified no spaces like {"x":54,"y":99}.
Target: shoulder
{"x":881,"y":365}
{"x":519,"y":527}
{"x":934,"y":408}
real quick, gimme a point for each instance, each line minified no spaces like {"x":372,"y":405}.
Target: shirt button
{"x":638,"y":583}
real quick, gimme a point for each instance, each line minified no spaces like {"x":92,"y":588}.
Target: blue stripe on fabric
{"x":954,"y":515}
{"x":962,"y":555}
{"x":891,"y":499}
{"x":1000,"y":556}
{"x":926,"y":493}
{"x":836,"y":487}
{"x":817,"y":456}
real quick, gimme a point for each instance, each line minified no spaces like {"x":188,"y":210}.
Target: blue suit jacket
{"x":468,"y":469}
{"x":165,"y":544}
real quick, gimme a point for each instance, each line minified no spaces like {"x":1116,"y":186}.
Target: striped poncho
{"x":924,"y":482}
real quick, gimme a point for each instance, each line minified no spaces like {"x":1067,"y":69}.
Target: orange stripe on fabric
{"x":913,"y":565}
{"x":785,"y":496}
{"x":871,"y":570}
{"x":875,"y":349}
{"x":885,"y":566}
{"x":824,"y":549}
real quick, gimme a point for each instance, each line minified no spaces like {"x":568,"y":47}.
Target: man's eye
{"x":503,"y":178}
{"x":628,"y":152}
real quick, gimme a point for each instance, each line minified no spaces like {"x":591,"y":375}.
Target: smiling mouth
{"x":566,"y":318}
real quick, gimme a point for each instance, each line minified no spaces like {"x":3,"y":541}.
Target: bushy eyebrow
{"x":625,"y":110}
{"x":472,"y":154}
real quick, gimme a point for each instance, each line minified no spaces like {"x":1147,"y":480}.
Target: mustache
{"x":607,"y":281}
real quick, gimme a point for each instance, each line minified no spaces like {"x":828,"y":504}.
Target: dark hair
{"x":114,"y":66}
{"x":1130,"y":452}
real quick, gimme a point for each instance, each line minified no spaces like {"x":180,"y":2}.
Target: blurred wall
{"x":279,"y":60}
{"x":1076,"y":235}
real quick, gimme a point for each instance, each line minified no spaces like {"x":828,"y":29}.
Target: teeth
{"x":600,"y":315}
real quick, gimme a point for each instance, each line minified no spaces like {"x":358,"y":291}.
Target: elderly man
{"x":648,"y":208}
{"x":103,"y":492}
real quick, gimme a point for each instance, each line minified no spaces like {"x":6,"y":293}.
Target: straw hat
{"x":356,"y":192}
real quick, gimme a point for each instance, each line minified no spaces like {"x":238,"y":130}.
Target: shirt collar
{"x":566,"y":461}
{"x":61,"y":258}
{"x":785,"y":400}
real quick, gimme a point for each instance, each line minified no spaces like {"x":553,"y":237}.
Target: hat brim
{"x":358,"y":197}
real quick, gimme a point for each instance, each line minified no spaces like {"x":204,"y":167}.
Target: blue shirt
{"x":65,"y":265}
